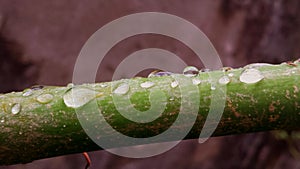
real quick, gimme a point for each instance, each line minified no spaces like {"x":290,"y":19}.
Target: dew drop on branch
{"x":157,"y":73}
{"x":190,"y":71}
{"x":16,"y":108}
{"x":251,"y":76}
{"x":122,"y":89}
{"x":230,"y":74}
{"x":27,"y":93}
{"x":212,"y":87}
{"x":196,"y":81}
{"x":174,"y":84}
{"x":147,"y":84}
{"x":224,"y":80}
{"x":45,"y":98}
{"x":78,"y":96}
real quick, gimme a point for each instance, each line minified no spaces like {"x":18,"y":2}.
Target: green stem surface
{"x":41,"y":123}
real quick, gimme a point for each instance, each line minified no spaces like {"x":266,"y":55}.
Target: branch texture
{"x":42,"y":121}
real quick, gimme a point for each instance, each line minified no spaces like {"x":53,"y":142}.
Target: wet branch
{"x":42,"y":122}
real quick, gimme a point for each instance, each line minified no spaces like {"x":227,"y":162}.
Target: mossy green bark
{"x":43,"y":127}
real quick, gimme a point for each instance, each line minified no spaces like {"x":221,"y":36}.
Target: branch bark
{"x":42,"y":122}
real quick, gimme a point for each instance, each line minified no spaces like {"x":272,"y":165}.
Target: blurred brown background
{"x":40,"y":41}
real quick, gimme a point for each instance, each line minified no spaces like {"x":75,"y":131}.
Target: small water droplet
{"x":20,"y":133}
{"x":64,"y":126}
{"x":2,"y":120}
{"x":27,"y":93}
{"x":44,"y":98}
{"x":196,"y":81}
{"x":122,"y":89}
{"x":230,"y":74}
{"x":78,"y":96}
{"x":16,"y":108}
{"x":251,"y":76}
{"x":224,"y":80}
{"x":157,"y":73}
{"x":205,"y":70}
{"x":212,"y":87}
{"x":190,"y":71}
{"x":147,"y":84}
{"x":70,"y":85}
{"x":103,"y":85}
{"x":37,"y":87}
{"x":174,"y":84}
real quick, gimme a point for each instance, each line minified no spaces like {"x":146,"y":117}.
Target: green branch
{"x":42,"y":122}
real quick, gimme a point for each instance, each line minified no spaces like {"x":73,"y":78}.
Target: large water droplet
{"x":157,"y":73}
{"x":251,"y":76}
{"x":224,"y":80}
{"x":190,"y":71}
{"x":27,"y":93}
{"x":196,"y":81}
{"x":147,"y":84}
{"x":16,"y":108}
{"x":122,"y":89}
{"x":174,"y":84}
{"x":78,"y":96}
{"x":44,"y":98}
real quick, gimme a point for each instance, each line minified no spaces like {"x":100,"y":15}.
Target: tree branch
{"x":41,"y":122}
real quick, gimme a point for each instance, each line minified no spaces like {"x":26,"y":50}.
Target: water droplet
{"x":122,"y":89}
{"x":70,"y":85}
{"x":230,"y":74}
{"x":44,"y":98}
{"x":78,"y":96}
{"x":257,"y":65}
{"x":212,"y":87}
{"x":20,"y":133}
{"x":27,"y":93}
{"x":251,"y":76}
{"x":224,"y":80}
{"x":157,"y":73}
{"x":103,"y":85}
{"x":205,"y":70}
{"x":64,"y":126}
{"x":190,"y":71}
{"x":16,"y":108}
{"x":174,"y":84}
{"x":147,"y":84}
{"x":37,"y":87}
{"x":2,"y":120}
{"x":196,"y":81}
